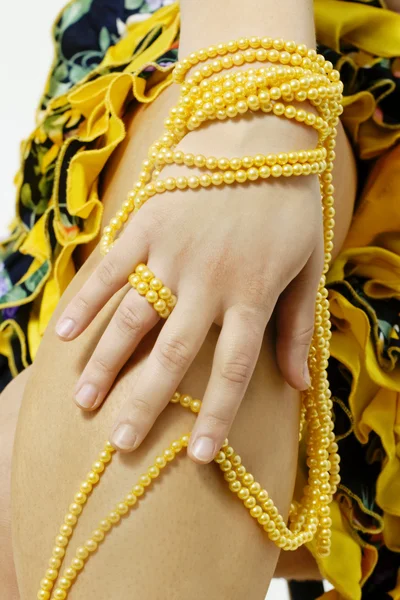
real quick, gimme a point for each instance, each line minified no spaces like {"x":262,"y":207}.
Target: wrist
{"x":231,"y":20}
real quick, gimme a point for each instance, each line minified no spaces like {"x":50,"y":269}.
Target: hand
{"x":231,"y":255}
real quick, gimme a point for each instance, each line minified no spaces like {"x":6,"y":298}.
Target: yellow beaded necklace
{"x":301,"y":75}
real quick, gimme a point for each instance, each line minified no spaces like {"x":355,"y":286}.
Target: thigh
{"x":190,"y":538}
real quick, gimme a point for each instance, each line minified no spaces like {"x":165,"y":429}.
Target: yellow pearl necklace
{"x":205,"y":96}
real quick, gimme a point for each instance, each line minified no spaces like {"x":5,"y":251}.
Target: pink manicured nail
{"x":86,"y":395}
{"x":124,"y":437}
{"x":203,"y":449}
{"x":65,"y":327}
{"x":306,"y":375}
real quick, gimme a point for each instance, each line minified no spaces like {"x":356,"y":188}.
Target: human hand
{"x":231,"y":255}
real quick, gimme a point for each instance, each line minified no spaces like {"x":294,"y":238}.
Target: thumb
{"x":295,"y":323}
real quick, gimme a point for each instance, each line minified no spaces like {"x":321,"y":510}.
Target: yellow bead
{"x":90,"y":545}
{"x":169,"y":455}
{"x":235,"y":163}
{"x":156,"y":284}
{"x":276,"y":171}
{"x":151,"y":296}
{"x":165,"y":293}
{"x":138,"y":490}
{"x":170,"y":183}
{"x":154,"y":472}
{"x":54,"y":563}
{"x":64,"y":583}
{"x":160,"y":462}
{"x":195,"y":406}
{"x":134,"y":279}
{"x":51,"y":574}
{"x":229,"y":177}
{"x":77,"y":563}
{"x":205,"y":180}
{"x":264,"y":172}
{"x":185,"y":440}
{"x":145,"y":480}
{"x":70,"y":573}
{"x":241,"y":176}
{"x":235,"y":486}
{"x":185,"y":400}
{"x":252,"y":174}
{"x":211,"y":162}
{"x":46,"y":584}
{"x":217,"y":178}
{"x":176,"y":446}
{"x":160,"y":305}
{"x":114,"y":517}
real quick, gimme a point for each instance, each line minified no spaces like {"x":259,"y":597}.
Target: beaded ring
{"x":301,"y":75}
{"x":156,"y":293}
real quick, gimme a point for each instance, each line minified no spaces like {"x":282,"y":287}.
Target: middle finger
{"x":177,"y":345}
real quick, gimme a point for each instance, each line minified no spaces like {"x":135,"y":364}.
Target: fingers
{"x":295,"y":323}
{"x":235,"y":358}
{"x":176,"y":347}
{"x":110,"y":275}
{"x":132,"y":320}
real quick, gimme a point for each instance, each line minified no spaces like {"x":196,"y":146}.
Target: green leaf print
{"x":133,"y":4}
{"x":35,"y":279}
{"x":73,"y":12}
{"x":104,"y":39}
{"x":61,"y":72}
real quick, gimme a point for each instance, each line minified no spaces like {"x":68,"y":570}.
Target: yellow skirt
{"x":105,"y":59}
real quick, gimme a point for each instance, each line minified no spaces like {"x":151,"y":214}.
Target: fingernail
{"x":124,"y":437}
{"x":203,"y":449}
{"x":65,"y":327}
{"x":306,"y":375}
{"x":86,"y":395}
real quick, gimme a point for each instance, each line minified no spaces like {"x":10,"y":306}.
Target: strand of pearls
{"x":302,"y":75}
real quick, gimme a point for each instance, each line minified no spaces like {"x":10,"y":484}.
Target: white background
{"x":25,"y":56}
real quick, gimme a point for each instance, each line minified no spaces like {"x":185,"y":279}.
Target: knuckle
{"x":80,"y":304}
{"x":253,"y":315}
{"x":128,"y":320}
{"x":218,"y":419}
{"x":238,"y":369}
{"x":174,"y":355}
{"x":100,"y":365}
{"x":106,"y":272}
{"x":142,"y":407}
{"x":302,"y":337}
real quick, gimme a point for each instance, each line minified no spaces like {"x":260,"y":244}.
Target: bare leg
{"x":191,"y":538}
{"x":10,"y":402}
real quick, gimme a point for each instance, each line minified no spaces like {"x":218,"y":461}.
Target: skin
{"x":265,"y":427}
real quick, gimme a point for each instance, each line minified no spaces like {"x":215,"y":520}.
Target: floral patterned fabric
{"x":111,"y":53}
